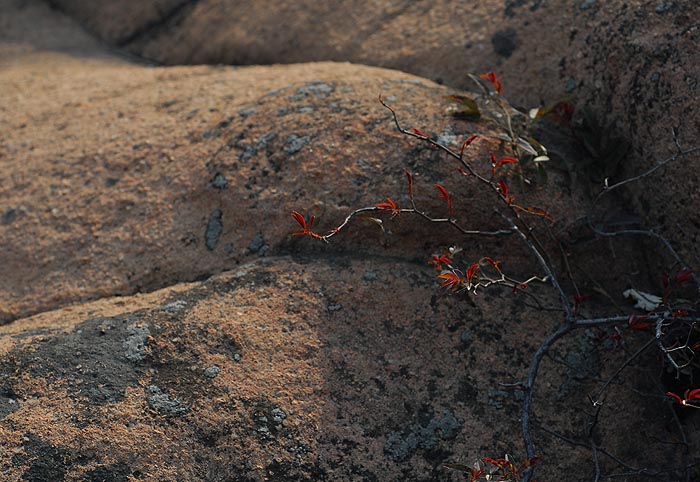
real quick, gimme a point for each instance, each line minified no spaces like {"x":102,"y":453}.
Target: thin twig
{"x":649,"y":172}
{"x":452,"y":222}
{"x":528,"y":389}
{"x":544,"y":265}
{"x":595,"y":399}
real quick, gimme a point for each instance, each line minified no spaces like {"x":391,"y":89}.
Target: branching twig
{"x":476,"y":277}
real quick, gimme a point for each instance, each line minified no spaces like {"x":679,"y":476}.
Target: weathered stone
{"x":616,"y":48}
{"x":341,"y":362}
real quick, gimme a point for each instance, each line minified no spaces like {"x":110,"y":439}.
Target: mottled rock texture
{"x":635,"y":64}
{"x":162,"y":323}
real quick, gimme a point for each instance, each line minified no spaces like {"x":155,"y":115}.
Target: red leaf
{"x":638,"y":322}
{"x":444,"y":194}
{"x":691,"y":395}
{"x":475,"y":474}
{"x":410,"y":181}
{"x":466,"y":143}
{"x":684,"y":275}
{"x":471,"y":272}
{"x":300,"y":219}
{"x":676,"y":398}
{"x":493,"y":78}
{"x":496,"y":165}
{"x":492,"y":263}
{"x":503,"y":187}
{"x":419,"y":132}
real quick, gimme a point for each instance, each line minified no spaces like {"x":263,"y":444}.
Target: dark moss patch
{"x":505,"y":42}
{"x":45,"y":461}
{"x":8,"y":402}
{"x":118,"y":472}
{"x":92,"y":361}
{"x":425,"y":434}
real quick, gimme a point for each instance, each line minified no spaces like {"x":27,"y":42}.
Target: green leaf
{"x":471,"y":108}
{"x":541,"y":150}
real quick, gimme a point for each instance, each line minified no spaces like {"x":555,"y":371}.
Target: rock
{"x":402,"y":445}
{"x":315,"y":361}
{"x":613,"y":47}
{"x":256,"y":244}
{"x":135,"y":344}
{"x":212,"y":371}
{"x":295,"y":143}
{"x":162,"y":223}
{"x":219,"y":181}
{"x":162,"y":403}
{"x":323,"y":400}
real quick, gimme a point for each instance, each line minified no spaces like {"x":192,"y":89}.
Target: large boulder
{"x":634,"y":64}
{"x":318,"y":368}
{"x":123,"y":178}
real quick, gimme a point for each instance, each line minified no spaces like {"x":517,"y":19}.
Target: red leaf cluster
{"x":389,"y":205}
{"x":439,"y":260}
{"x":306,"y":227}
{"x":688,"y":397}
